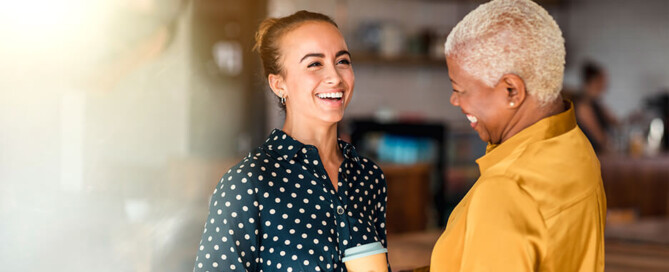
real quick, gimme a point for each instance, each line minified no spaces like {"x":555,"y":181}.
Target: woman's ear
{"x":277,"y":84}
{"x":515,"y":89}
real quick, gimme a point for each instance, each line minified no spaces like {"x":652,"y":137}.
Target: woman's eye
{"x":344,"y":61}
{"x":314,"y":64}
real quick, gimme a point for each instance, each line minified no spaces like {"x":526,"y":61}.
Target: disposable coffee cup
{"x":366,"y":258}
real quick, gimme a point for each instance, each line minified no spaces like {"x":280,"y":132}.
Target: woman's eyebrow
{"x":342,"y":52}
{"x":319,"y":55}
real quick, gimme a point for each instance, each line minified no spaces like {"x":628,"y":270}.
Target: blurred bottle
{"x":657,"y":113}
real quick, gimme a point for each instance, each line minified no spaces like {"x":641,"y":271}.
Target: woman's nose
{"x":454,"y":100}
{"x":332,"y":76}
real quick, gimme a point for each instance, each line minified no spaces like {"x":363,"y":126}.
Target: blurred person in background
{"x":539,"y":204}
{"x":299,"y":200}
{"x":592,"y":115}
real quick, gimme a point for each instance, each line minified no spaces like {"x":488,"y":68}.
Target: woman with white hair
{"x":539,"y":204}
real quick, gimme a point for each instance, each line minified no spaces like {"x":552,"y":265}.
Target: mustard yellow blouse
{"x":539,"y":205}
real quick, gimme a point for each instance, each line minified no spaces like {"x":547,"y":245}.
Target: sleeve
{"x":505,"y":230}
{"x":380,"y":220}
{"x":230,"y":238}
{"x":382,"y":200}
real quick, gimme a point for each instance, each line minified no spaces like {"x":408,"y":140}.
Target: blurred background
{"x":117,"y":118}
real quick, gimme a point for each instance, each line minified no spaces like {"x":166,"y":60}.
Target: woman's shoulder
{"x":369,"y":170}
{"x":369,"y":164}
{"x":250,"y":168}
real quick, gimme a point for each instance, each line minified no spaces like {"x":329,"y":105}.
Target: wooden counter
{"x":408,"y":251}
{"x":408,"y":196}
{"x":640,"y":184}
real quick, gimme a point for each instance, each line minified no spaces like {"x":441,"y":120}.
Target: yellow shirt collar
{"x":546,"y":128}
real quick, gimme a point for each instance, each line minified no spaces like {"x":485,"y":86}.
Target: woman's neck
{"x":530,"y":112}
{"x":322,"y":136}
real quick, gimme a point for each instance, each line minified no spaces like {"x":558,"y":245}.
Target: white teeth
{"x":330,"y":95}
{"x":472,"y":119}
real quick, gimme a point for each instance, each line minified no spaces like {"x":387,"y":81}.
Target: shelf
{"x":401,"y":61}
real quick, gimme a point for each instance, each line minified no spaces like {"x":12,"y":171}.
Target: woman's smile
{"x":472,"y":120}
{"x":331,"y":99}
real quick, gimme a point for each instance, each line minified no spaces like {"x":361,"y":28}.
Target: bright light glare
{"x":40,"y":34}
{"x":40,"y":14}
{"x":29,"y":20}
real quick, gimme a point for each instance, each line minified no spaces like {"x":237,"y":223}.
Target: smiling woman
{"x":314,"y":72}
{"x":540,"y":179}
{"x":304,"y":200}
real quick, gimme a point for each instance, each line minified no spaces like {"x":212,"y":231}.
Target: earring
{"x":283,"y":100}
{"x":512,"y":103}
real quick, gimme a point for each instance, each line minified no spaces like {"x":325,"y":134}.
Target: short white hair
{"x":511,"y":37}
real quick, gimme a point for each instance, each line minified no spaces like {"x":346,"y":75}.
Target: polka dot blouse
{"x":277,"y":210}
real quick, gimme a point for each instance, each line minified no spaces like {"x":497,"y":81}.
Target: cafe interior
{"x":118,"y":119}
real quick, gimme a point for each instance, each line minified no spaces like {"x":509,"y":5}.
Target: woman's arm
{"x":505,"y":230}
{"x":382,"y":196}
{"x":230,"y":241}
{"x":380,"y":220}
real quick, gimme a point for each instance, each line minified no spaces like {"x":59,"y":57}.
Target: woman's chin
{"x":331,"y":117}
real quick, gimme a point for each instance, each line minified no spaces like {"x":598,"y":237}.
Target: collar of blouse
{"x":282,"y":145}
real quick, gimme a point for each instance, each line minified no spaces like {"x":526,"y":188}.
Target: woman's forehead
{"x":313,"y":37}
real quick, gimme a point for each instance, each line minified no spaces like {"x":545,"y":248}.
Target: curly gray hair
{"x":511,"y":37}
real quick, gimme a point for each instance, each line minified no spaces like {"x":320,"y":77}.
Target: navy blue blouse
{"x":277,"y":210}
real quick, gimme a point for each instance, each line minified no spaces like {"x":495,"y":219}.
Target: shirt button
{"x":340,"y":210}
